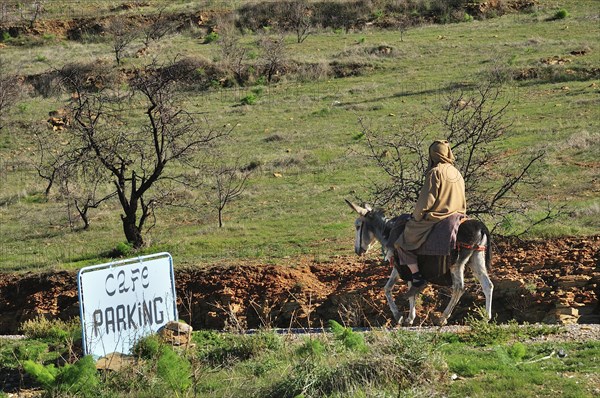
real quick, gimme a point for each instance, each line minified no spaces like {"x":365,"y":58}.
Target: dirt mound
{"x":553,"y":281}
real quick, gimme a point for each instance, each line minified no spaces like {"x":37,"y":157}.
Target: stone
{"x":176,"y":333}
{"x":567,"y":319}
{"x":507,"y":285}
{"x":568,"y":311}
{"x":528,"y":268}
{"x":573,"y":281}
{"x":115,"y":361}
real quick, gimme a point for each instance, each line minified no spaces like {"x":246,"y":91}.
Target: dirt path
{"x":552,"y":281}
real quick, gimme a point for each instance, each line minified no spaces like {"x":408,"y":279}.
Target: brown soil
{"x":552,"y":281}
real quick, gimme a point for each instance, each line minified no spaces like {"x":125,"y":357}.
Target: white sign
{"x":123,"y":301}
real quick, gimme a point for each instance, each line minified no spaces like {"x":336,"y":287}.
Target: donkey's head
{"x":365,"y":235}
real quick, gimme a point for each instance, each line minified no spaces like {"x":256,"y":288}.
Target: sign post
{"x":122,"y":301}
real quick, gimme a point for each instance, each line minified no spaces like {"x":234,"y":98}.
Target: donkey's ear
{"x":357,"y":208}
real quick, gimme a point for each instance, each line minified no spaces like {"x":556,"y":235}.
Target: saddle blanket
{"x":440,"y":241}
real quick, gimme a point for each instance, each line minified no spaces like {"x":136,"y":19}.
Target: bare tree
{"x":403,"y":23}
{"x":401,"y":155}
{"x":158,"y":27}
{"x":50,"y":164}
{"x":123,"y":34}
{"x":233,"y":54}
{"x":298,"y":19}
{"x":228,"y":184}
{"x":86,"y":190}
{"x":30,"y":11}
{"x":81,"y":181}
{"x":5,"y":12}
{"x":473,"y":124}
{"x":136,"y":160}
{"x":273,"y":51}
{"x":9,"y":92}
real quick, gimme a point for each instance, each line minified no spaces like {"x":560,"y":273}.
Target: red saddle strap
{"x":477,"y":248}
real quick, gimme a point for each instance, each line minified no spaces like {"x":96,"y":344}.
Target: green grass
{"x":385,"y":363}
{"x":493,"y":372}
{"x":303,"y":212}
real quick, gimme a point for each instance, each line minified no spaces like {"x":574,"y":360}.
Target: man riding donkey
{"x":442,"y":195}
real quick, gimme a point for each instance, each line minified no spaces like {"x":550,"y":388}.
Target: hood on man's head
{"x":440,"y":152}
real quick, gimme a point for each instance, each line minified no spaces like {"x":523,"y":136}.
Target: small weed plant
{"x":172,"y":369}
{"x":249,"y":99}
{"x":123,"y":249}
{"x":347,"y":337}
{"x":229,"y":349}
{"x":561,"y":14}
{"x":211,"y":37}
{"x":78,"y":378}
{"x":311,"y":347}
{"x":517,"y":351}
{"x":33,"y":351}
{"x":484,"y":332}
{"x":51,"y":329}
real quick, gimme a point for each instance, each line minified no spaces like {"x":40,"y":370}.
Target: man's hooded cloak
{"x":442,"y":194}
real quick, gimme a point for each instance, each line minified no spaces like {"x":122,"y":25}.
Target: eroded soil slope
{"x":553,"y":281}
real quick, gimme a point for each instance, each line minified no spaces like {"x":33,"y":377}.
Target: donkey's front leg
{"x":458,"y":285}
{"x":389,"y":286}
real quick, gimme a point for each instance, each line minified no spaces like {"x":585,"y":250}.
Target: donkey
{"x":473,"y":248}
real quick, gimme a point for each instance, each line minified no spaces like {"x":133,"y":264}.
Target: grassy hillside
{"x":305,"y":131}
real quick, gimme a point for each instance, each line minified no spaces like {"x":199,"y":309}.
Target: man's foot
{"x":417,"y":287}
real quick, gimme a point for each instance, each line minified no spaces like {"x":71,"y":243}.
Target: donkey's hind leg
{"x":477,"y":264}
{"x":412,"y":310}
{"x":390,"y":298}
{"x":458,"y":284}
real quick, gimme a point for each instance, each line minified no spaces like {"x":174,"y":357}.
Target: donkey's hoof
{"x":440,"y":320}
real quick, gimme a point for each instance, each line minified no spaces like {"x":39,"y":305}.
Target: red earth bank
{"x":550,"y":281}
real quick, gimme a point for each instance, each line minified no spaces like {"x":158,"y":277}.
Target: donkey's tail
{"x":488,"y":248}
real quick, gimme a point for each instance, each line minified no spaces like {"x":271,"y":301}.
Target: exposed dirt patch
{"x":553,"y":281}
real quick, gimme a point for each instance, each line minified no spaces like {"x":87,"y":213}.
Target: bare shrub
{"x":273,"y":55}
{"x":499,"y":72}
{"x":473,"y":123}
{"x":88,"y":77}
{"x":159,"y":25}
{"x":9,"y":92}
{"x":227,"y":183}
{"x":310,"y":71}
{"x":403,"y":23}
{"x":298,"y":19}
{"x":192,"y":73}
{"x":30,"y":11}
{"x":341,"y":15}
{"x":123,"y":32}
{"x":234,"y":55}
{"x":592,"y":210}
{"x":47,"y":84}
{"x":81,"y":182}
{"x":581,"y":140}
{"x":255,"y":16}
{"x":380,"y":51}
